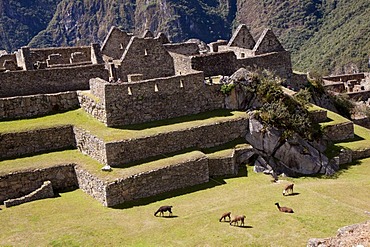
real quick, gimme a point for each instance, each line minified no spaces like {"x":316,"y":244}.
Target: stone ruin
{"x":130,"y":80}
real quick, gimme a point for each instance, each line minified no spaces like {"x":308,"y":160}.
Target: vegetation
{"x":76,"y":219}
{"x":21,"y":20}
{"x":327,"y":36}
{"x":282,"y":111}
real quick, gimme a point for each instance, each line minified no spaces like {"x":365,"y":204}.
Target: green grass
{"x":76,"y":219}
{"x":81,"y":119}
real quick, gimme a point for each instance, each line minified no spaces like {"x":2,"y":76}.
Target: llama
{"x":288,"y":188}
{"x":163,"y":209}
{"x":225,"y":215}
{"x":237,"y":219}
{"x":284,"y":209}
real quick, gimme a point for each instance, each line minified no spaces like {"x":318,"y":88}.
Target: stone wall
{"x":239,"y":52}
{"x":154,"y":182}
{"x":18,"y":184}
{"x":188,"y":49}
{"x":364,"y":122}
{"x":45,"y":191}
{"x":36,"y":141}
{"x":145,"y":56}
{"x":222,"y":166}
{"x":37,"y":105}
{"x":92,"y":105}
{"x":156,"y":99}
{"x":10,"y":57}
{"x":318,"y":116}
{"x":182,"y":64}
{"x":277,"y":62}
{"x":339,"y":132}
{"x":115,"y":43}
{"x":17,"y":83}
{"x":359,"y":96}
{"x":221,"y":63}
{"x":91,"y":145}
{"x":226,"y":63}
{"x":122,"y":152}
{"x":345,"y":77}
{"x":91,"y":185}
{"x":42,"y":54}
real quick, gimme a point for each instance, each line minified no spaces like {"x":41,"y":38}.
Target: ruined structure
{"x":130,"y":80}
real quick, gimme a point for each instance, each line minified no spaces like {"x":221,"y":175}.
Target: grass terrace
{"x":75,"y":219}
{"x":81,"y":119}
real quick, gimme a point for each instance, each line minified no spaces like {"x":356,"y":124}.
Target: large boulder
{"x":293,"y":156}
{"x":243,"y":94}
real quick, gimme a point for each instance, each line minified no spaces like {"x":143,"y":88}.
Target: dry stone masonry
{"x":133,"y":80}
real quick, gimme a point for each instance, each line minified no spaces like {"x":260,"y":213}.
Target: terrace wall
{"x":18,"y":184}
{"x":339,"y":132}
{"x":122,"y":152}
{"x":91,"y":185}
{"x":222,"y":166}
{"x":154,"y":182}
{"x":90,"y":145}
{"x":17,"y":83}
{"x":36,"y":141}
{"x":37,"y":105}
{"x":45,"y":191}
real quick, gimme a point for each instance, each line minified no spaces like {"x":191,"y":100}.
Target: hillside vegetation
{"x":328,"y":36}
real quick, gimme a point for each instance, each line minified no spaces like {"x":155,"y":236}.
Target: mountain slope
{"x":83,"y":22}
{"x":328,"y":36}
{"x":20,"y":20}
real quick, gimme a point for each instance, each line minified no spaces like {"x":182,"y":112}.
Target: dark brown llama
{"x":284,"y":209}
{"x":224,"y":215}
{"x":163,"y":209}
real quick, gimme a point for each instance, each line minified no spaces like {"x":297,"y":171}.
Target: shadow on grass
{"x":168,"y":216}
{"x":293,"y":194}
{"x":38,"y":153}
{"x":228,"y":145}
{"x":342,"y":169}
{"x":159,"y":123}
{"x":243,"y":226}
{"x":354,"y":139}
{"x":145,"y":201}
{"x":213,"y":182}
{"x":53,"y":111}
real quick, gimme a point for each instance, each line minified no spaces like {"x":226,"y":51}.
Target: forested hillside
{"x":20,"y":20}
{"x":328,"y":36}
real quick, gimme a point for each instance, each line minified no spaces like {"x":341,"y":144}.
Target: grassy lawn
{"x":76,"y":219}
{"x":81,"y":119}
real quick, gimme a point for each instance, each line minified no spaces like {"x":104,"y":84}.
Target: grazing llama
{"x":163,"y":209}
{"x":237,"y":219}
{"x":223,"y":217}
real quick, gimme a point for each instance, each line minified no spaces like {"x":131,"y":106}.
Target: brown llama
{"x":163,"y":209}
{"x":288,"y":188}
{"x":224,"y":215}
{"x":237,"y":219}
{"x":284,"y":209}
